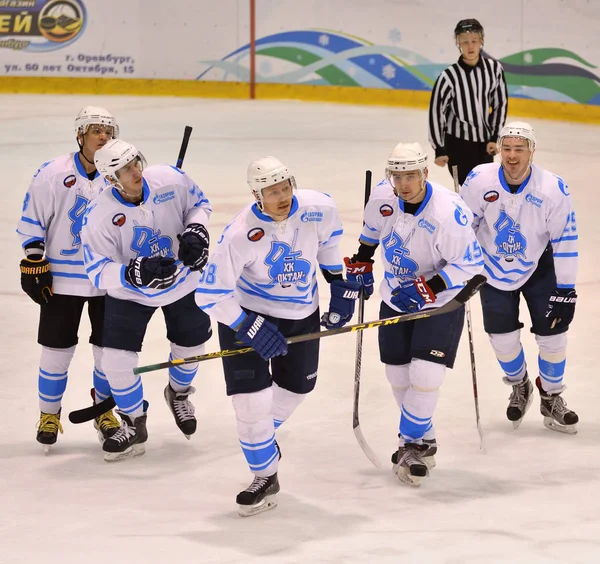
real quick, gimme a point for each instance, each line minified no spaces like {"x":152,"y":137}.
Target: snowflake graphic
{"x":394,"y":35}
{"x":389,"y":72}
{"x":371,"y":61}
{"x":528,"y":57}
{"x":324,"y":40}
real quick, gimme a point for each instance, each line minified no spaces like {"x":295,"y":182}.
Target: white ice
{"x":531,"y":496}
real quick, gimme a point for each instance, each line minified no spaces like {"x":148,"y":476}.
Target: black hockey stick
{"x":358,"y":362}
{"x":471,"y":341}
{"x":89,"y":413}
{"x":469,"y":290}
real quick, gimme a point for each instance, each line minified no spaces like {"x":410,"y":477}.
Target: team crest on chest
{"x":510,"y":242}
{"x":286,"y":266}
{"x":397,"y":255}
{"x":149,"y":243}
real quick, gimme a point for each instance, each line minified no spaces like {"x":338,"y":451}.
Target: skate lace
{"x":124,"y":433}
{"x":49,"y":423}
{"x":257,"y":484}
{"x":558,"y":406}
{"x":517,"y":397}
{"x":184,"y":409}
{"x":411,"y":457}
{"x":107,"y":421}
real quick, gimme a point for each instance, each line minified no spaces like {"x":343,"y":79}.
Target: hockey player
{"x":261,"y":286}
{"x":428,"y":251}
{"x":132,"y":235}
{"x":526,"y":226}
{"x":53,"y":273}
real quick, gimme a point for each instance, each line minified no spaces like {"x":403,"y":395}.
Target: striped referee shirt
{"x":468,"y":102}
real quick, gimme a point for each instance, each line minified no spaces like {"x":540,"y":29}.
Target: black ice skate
{"x":557,"y":416}
{"x":182,"y":409}
{"x":519,"y":400}
{"x":427,"y":454}
{"x":129,"y":441}
{"x":48,"y":428}
{"x":259,"y":496}
{"x":411,"y":468}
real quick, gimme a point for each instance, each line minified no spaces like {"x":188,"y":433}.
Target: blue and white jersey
{"x":514,"y":229}
{"x":53,"y":211}
{"x":116,"y":231}
{"x":271,"y":267}
{"x":437,"y":239}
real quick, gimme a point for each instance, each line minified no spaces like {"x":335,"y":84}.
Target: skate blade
{"x":269,"y":502}
{"x":517,"y":423}
{"x":47,"y":449}
{"x":407,"y":478}
{"x":551,"y":424}
{"x":132,"y":452}
{"x":430,"y":461}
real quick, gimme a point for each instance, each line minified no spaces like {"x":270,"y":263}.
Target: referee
{"x":468,"y":105}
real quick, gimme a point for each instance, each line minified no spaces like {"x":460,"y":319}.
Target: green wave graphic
{"x":311,"y":63}
{"x":541,"y":55}
{"x":578,"y":88}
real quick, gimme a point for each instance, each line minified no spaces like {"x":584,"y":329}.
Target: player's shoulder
{"x":383,"y":191}
{"x":62,"y":166}
{"x":160,"y":175}
{"x":448,"y":208}
{"x":242,"y":227}
{"x":309,"y":198}
{"x":549,"y":183}
{"x":483,"y":176}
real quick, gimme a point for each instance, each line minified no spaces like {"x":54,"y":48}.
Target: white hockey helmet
{"x":94,"y":115}
{"x":114,"y":156}
{"x":406,"y":157}
{"x":518,"y":129}
{"x":265,"y":172}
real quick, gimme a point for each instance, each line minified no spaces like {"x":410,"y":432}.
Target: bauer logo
{"x":491,"y":196}
{"x":40,"y":25}
{"x":423,"y":223}
{"x":311,"y":216}
{"x":255,"y":234}
{"x":119,"y":220}
{"x":537,"y":202}
{"x":386,"y":210}
{"x":164,"y":197}
{"x":69,"y":181}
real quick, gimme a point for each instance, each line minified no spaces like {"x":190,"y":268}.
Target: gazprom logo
{"x":537,"y":202}
{"x":311,"y":216}
{"x":164,"y":197}
{"x":426,"y":225}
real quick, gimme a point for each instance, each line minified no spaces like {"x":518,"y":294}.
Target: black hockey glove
{"x":156,"y":272}
{"x":36,"y":278}
{"x":193,"y":246}
{"x":561,"y":308}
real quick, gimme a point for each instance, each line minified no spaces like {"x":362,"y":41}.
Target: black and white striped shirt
{"x":468,"y":102}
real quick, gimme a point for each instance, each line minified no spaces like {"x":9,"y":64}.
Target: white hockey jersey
{"x":437,"y":239}
{"x":514,"y":229}
{"x":53,"y":211}
{"x":270,"y":267}
{"x":116,"y":231}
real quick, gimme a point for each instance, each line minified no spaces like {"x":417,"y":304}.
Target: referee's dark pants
{"x":466,"y":155}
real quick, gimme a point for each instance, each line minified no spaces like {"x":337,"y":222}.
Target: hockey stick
{"x":470,"y":289}
{"x":89,"y":413}
{"x":471,"y":342}
{"x":358,"y":362}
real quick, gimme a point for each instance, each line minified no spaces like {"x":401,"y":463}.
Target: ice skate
{"x":428,"y":454}
{"x":259,"y":496}
{"x":129,"y":441}
{"x":557,"y":416}
{"x":411,"y":468}
{"x":519,"y":400}
{"x":48,"y":428}
{"x":182,"y":409}
{"x":106,"y":424}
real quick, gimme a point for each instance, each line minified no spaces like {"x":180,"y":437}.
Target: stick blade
{"x":366,"y":448}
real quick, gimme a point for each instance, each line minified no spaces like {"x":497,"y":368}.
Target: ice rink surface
{"x":531,"y":496}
